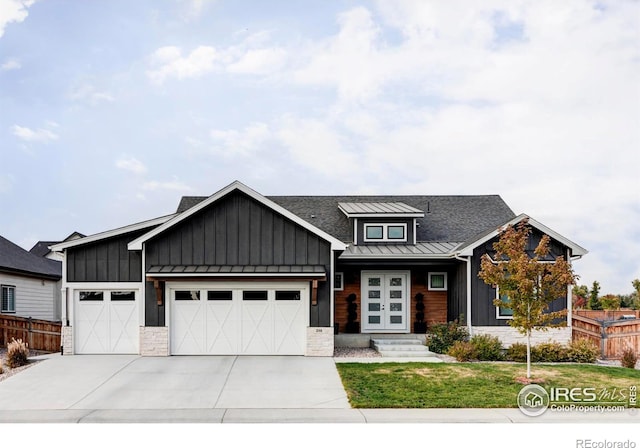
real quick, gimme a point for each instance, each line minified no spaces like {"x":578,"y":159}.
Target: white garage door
{"x":106,"y":322}
{"x":239,"y":318}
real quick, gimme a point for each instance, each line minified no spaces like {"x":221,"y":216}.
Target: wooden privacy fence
{"x":41,"y":335}
{"x":611,"y":336}
{"x":606,"y":315}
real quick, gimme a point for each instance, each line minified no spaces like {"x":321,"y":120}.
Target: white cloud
{"x":10,"y":64}
{"x":89,"y":94}
{"x":131,"y":164}
{"x":259,"y":61}
{"x":173,"y":185}
{"x":13,"y":11}
{"x":168,"y":62}
{"x":34,"y":136}
{"x":244,"y":142}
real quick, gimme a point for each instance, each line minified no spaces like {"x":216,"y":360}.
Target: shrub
{"x":17,"y":353}
{"x":487,"y":347}
{"x":549,"y":352}
{"x":629,"y":358}
{"x":517,"y":352}
{"x":443,"y":336}
{"x":463,"y":351}
{"x":583,"y":351}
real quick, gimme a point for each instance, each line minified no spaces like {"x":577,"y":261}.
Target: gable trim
{"x":175,"y":219}
{"x":576,"y":250}
{"x":110,"y":233}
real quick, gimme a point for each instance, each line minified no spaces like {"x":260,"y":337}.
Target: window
{"x":118,"y":296}
{"x":502,"y":312}
{"x":254,"y":295}
{"x":437,"y":281}
{"x":287,"y":295}
{"x":385,"y":232}
{"x":8,"y":299}
{"x":91,"y":296}
{"x":187,"y":295}
{"x":219,"y":295}
{"x":338,"y":281}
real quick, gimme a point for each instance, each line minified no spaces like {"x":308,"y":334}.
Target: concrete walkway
{"x":218,"y":389}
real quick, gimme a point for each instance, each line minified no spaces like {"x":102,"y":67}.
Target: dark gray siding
{"x":237,"y":230}
{"x":105,"y":261}
{"x":483,"y":309}
{"x":457,"y":300}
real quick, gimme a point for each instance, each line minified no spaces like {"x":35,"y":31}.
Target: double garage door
{"x":239,"y":318}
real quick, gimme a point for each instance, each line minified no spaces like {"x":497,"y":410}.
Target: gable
{"x":236,"y":230}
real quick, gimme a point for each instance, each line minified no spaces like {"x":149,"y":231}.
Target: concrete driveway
{"x":116,"y":383}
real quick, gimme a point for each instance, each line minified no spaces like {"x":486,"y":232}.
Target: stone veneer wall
{"x":154,"y":341}
{"x":67,"y":340}
{"x":319,"y":341}
{"x":509,"y":335}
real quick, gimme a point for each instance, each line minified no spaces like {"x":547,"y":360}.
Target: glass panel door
{"x":384,"y":301}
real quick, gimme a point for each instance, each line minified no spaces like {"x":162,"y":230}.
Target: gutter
{"x":468,"y":261}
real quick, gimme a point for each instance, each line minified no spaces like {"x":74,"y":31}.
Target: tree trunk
{"x":529,"y":354}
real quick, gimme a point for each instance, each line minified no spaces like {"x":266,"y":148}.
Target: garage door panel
{"x":188,"y":329}
{"x":124,"y":327}
{"x":257,"y":328}
{"x":92,"y":329}
{"x":289,"y":328}
{"x":223,"y":328}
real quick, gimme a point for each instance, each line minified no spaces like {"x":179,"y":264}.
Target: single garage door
{"x":106,"y":322}
{"x":239,"y":318}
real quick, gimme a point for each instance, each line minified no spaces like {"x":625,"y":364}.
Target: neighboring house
{"x":30,"y":284}
{"x":241,"y":273}
{"x":42,"y":248}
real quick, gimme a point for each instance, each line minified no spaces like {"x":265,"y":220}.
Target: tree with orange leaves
{"x":529,"y":281}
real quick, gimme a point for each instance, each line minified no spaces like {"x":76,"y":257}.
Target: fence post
{"x":603,"y":339}
{"x":30,"y":334}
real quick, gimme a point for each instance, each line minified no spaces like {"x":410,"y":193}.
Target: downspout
{"x":468,"y":261}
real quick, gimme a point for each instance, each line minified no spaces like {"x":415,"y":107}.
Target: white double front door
{"x":385,"y":301}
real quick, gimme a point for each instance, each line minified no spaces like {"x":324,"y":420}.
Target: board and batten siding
{"x":107,"y":260}
{"x":237,"y":230}
{"x":483,"y":309}
{"x":35,"y":298}
{"x":457,"y":300}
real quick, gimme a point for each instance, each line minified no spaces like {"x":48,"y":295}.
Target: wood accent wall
{"x":435,"y":301}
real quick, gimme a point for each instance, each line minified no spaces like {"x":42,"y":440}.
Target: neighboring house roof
{"x":15,"y":259}
{"x":446,"y":218}
{"x":41,"y":248}
{"x":336,"y":244}
{"x":467,"y":247}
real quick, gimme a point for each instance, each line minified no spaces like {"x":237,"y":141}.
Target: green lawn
{"x":466,"y":385}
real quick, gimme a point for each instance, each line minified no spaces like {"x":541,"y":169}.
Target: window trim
{"x":2,"y":309}
{"x":339,"y":287}
{"x":498,"y":314}
{"x":431,"y":274}
{"x":385,"y":232}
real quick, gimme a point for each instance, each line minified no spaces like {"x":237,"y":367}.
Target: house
{"x":42,"y":248}
{"x":30,"y":284}
{"x":241,"y":273}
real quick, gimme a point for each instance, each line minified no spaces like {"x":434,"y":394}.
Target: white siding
{"x":36,"y":298}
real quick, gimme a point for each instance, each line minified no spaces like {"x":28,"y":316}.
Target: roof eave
{"x":110,"y":233}
{"x":576,"y":249}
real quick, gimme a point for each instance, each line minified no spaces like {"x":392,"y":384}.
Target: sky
{"x":111,"y":110}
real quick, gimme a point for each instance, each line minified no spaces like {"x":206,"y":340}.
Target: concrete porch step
{"x":401,"y":348}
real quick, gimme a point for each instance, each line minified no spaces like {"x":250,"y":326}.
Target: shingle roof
{"x":41,"y":248}
{"x":447,"y":218}
{"x":13,"y":258}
